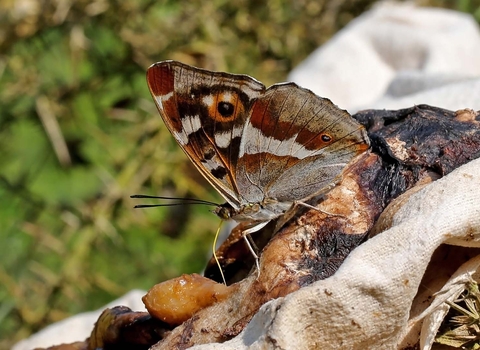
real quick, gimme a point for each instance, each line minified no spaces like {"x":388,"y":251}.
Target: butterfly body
{"x":262,"y":149}
{"x":264,"y":211}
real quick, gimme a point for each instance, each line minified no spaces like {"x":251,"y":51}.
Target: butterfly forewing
{"x":206,"y":112}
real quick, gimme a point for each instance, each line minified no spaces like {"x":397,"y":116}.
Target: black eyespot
{"x":326,"y":138}
{"x":219,"y":172}
{"x":226,"y":109}
{"x":209,"y":154}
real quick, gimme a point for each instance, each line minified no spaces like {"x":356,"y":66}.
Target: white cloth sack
{"x":396,"y":56}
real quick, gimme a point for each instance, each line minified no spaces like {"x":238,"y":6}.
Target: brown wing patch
{"x":160,"y":79}
{"x":161,"y":82}
{"x":267,"y":111}
{"x":263,"y":176}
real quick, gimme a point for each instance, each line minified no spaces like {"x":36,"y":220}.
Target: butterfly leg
{"x":315,"y":208}
{"x":247,"y":232}
{"x":249,"y":245}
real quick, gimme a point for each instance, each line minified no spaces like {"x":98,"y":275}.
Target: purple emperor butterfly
{"x":262,"y":149}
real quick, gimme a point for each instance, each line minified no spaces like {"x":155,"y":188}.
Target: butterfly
{"x":263,"y":149}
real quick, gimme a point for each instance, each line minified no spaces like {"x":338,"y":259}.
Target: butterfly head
{"x":225,"y":211}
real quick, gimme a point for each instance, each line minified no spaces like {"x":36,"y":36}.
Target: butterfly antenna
{"x":183,"y":201}
{"x":140,"y":206}
{"x":214,"y":246}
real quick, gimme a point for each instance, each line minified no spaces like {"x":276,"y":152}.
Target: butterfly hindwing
{"x":296,"y":143}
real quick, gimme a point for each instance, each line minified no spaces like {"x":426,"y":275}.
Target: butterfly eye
{"x":326,"y":138}
{"x":225,"y":109}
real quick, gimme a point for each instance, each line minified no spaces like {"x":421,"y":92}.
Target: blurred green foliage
{"x":79,"y":133}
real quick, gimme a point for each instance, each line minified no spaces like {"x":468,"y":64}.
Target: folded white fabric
{"x":396,"y":56}
{"x":366,"y":304}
